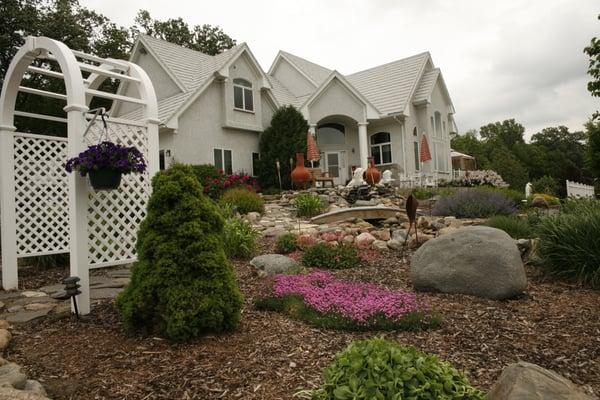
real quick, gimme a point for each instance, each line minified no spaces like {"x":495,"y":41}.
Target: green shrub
{"x":428,"y":193}
{"x":182,"y":284}
{"x":569,"y":245}
{"x":323,"y":255}
{"x":546,"y":184}
{"x":243,"y":200}
{"x":206,"y":173}
{"x":551,"y":200}
{"x":516,"y":196}
{"x":308,"y":205}
{"x":573,"y":205}
{"x":286,"y":243}
{"x":516,"y":227}
{"x":380,"y":369}
{"x":239,"y":238}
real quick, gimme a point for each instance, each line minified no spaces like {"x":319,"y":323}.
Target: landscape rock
{"x":26,"y":316}
{"x":253,"y":216}
{"x":274,"y":232}
{"x":399,"y":234}
{"x":364,"y":239}
{"x":5,"y":338}
{"x":34,"y":386}
{"x":4,"y":324}
{"x":379,"y":245}
{"x":272,"y":264}
{"x":478,"y":260}
{"x":10,"y":393}
{"x":11,"y":374}
{"x":447,"y":230}
{"x":395,"y":244}
{"x":525,"y":381}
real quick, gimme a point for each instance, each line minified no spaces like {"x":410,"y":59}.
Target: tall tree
{"x":593,"y":51}
{"x":508,"y":132}
{"x":593,"y":148}
{"x":205,"y":38}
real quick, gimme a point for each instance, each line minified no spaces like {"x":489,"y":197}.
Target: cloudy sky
{"x":519,"y":59}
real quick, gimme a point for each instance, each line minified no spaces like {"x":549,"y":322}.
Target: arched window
{"x":415,"y":131}
{"x":381,"y":148}
{"x":438,"y":124}
{"x":243,"y":98}
{"x":331,"y":134}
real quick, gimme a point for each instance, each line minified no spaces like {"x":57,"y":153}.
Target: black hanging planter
{"x":105,"y":179}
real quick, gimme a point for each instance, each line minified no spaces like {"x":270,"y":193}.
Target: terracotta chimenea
{"x":372,"y":175}
{"x":300,"y":175}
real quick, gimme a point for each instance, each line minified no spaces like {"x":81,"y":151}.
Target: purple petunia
{"x":107,"y":155}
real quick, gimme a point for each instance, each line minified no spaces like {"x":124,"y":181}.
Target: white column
{"x":78,"y":205}
{"x":312,"y":128}
{"x":363,"y":144}
{"x":10,"y":277}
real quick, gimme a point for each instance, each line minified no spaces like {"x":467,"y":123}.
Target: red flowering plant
{"x":216,"y":185}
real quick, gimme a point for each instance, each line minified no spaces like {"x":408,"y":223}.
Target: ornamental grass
{"x":322,"y":300}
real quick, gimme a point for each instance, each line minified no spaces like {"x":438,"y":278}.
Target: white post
{"x":363,"y":145}
{"x":153,"y":148}
{"x":78,"y":207}
{"x":10,"y":274}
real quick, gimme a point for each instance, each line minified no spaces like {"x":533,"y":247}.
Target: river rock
{"x":364,"y":239}
{"x":10,"y":393}
{"x":5,"y":337}
{"x":272,"y":264}
{"x":525,"y":381}
{"x":478,"y":260}
{"x":12,"y":375}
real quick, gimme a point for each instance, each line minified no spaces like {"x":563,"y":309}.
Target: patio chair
{"x":316,"y":175}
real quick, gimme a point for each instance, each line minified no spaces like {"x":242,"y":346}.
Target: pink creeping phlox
{"x":356,"y":301}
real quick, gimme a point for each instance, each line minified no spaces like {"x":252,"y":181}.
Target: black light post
{"x":72,"y":290}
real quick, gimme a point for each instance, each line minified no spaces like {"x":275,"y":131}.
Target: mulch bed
{"x":270,"y":356}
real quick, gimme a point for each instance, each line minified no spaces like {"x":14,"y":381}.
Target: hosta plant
{"x":380,"y":369}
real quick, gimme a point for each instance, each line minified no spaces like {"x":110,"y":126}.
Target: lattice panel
{"x":114,"y":216}
{"x":41,"y":195}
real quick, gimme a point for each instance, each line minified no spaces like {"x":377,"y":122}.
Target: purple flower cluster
{"x":107,"y":155}
{"x":359,"y":302}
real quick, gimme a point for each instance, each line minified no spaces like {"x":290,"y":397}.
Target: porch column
{"x":312,"y":128}
{"x":363,"y":144}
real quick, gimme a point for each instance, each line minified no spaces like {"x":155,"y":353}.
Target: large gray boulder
{"x":272,"y":264}
{"x":478,"y":260}
{"x":525,"y":381}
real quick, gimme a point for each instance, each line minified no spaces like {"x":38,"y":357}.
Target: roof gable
{"x":390,"y":86}
{"x":315,"y":73}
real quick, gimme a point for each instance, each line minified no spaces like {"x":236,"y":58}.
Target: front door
{"x":336,"y":166}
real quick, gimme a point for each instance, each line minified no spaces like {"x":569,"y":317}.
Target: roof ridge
{"x":424,"y":53}
{"x":180,"y":47}
{"x":304,"y":59}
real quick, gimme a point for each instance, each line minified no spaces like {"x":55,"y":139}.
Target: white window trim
{"x":380,"y":145}
{"x":441,"y":144}
{"x":223,"y":150}
{"x":244,"y":88}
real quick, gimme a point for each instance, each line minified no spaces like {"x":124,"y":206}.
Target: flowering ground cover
{"x":322,"y":300}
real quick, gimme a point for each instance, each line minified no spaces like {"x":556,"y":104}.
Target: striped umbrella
{"x":425,"y":153}
{"x":312,"y":151}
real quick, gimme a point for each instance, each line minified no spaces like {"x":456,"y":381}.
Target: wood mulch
{"x":270,"y":356}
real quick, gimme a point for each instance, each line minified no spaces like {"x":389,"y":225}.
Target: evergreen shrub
{"x":182,"y":284}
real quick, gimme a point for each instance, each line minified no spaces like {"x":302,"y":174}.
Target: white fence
{"x":575,"y":189}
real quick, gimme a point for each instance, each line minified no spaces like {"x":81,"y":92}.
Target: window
{"x":415,"y":131}
{"x":223,"y":160}
{"x":441,"y":158}
{"x":255,"y":158}
{"x":438,"y":124}
{"x":432,"y":127}
{"x":417,"y":156}
{"x":331,"y":134}
{"x":242,"y":95}
{"x":381,"y":148}
{"x":161,"y":159}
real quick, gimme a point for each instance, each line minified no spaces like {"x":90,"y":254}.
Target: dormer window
{"x":243,"y":98}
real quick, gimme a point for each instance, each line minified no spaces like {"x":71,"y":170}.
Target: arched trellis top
{"x":79,"y":91}
{"x":46,"y":211}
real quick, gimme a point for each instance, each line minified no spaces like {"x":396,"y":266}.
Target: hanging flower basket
{"x":106,"y":163}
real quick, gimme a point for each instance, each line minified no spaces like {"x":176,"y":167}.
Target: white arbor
{"x":44,"y":209}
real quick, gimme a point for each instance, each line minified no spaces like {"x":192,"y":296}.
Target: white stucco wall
{"x":292,"y":79}
{"x":335,"y":99}
{"x":439,"y":102}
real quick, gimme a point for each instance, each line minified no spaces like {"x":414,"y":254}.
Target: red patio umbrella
{"x":312,"y":151}
{"x":425,"y":153}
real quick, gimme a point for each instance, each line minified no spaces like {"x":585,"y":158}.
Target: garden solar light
{"x":72,"y":290}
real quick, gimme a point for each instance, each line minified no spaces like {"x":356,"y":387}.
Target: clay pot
{"x":300,"y":175}
{"x":372,"y":175}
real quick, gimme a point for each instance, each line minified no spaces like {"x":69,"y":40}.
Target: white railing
{"x":419,"y":180}
{"x":458,"y":173}
{"x":576,"y":189}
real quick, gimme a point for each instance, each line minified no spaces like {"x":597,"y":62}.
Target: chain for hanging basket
{"x":103,"y":115}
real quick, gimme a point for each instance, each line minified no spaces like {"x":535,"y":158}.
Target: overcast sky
{"x":501,"y":59}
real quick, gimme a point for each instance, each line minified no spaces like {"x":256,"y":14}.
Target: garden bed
{"x":271,"y":356}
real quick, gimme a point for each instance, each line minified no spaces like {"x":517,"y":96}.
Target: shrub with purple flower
{"x":322,"y":300}
{"x":107,"y":155}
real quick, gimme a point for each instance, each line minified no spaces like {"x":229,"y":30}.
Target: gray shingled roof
{"x":390,"y":86}
{"x":281,"y":93}
{"x":314,"y":71}
{"x":426,"y":85}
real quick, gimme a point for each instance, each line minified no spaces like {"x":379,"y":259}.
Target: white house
{"x":213,"y":108}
